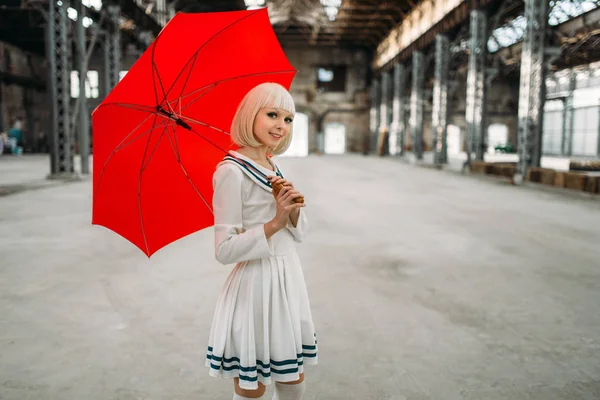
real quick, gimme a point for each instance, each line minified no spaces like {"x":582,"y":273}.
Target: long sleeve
{"x":299,"y":232}
{"x":232,"y":244}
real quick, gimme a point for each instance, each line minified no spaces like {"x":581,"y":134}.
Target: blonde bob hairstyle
{"x":265,"y":95}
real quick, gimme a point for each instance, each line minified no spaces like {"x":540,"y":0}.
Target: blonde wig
{"x":265,"y":95}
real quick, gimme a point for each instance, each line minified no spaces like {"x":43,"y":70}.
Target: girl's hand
{"x":287,"y":203}
{"x":277,"y":183}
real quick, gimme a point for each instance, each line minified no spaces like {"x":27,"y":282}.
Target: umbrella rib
{"x":204,"y":124}
{"x":155,"y":68}
{"x":198,"y":52}
{"x":207,"y":140}
{"x":139,"y":136}
{"x":225,"y":80}
{"x":178,"y":157}
{"x":119,"y":145}
{"x":196,"y":99}
{"x":175,"y":146}
{"x":138,"y":107}
{"x":140,"y":191}
{"x":144,"y":166}
{"x":186,"y":80}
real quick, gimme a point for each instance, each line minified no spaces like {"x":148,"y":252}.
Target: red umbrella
{"x":162,"y":130}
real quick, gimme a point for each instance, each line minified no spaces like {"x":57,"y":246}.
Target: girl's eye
{"x":272,"y":114}
{"x":289,"y":120}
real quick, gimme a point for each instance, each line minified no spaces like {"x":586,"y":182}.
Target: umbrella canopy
{"x":162,"y":130}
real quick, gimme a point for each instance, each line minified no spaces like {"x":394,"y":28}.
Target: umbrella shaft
{"x":173,"y":117}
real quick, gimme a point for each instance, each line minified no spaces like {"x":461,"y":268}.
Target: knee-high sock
{"x":288,"y":392}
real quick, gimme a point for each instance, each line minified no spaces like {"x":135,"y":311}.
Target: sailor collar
{"x":253,"y":170}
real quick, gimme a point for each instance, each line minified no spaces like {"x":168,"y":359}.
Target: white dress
{"x":262,"y":329}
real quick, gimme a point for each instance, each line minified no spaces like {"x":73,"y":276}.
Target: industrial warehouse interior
{"x":448,"y":157}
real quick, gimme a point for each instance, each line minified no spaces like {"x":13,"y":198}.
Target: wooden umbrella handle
{"x":277,"y":187}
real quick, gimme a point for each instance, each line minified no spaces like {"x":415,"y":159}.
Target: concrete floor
{"x":424,"y":284}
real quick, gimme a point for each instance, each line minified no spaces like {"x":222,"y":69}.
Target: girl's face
{"x":271,"y":125}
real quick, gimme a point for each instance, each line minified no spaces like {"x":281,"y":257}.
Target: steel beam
{"x":532,"y":90}
{"x":161,"y":12}
{"x":112,"y":49}
{"x":568,"y":118}
{"x":374,"y":113}
{"x":83,"y":126}
{"x":398,"y":127}
{"x":61,"y":155}
{"x":1,"y":113}
{"x":416,"y":103}
{"x":475,"y":113}
{"x":440,"y":100}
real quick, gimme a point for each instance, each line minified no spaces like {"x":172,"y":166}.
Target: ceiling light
{"x":254,"y":4}
{"x":72,"y":13}
{"x":331,"y":12}
{"x":332,"y":3}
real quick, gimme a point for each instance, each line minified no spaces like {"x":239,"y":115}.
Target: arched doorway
{"x":335,"y":138}
{"x":299,"y":145}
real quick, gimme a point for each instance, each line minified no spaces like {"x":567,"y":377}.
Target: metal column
{"x":1,"y":111}
{"x":112,"y":50}
{"x":568,"y":118}
{"x":384,"y":107}
{"x":397,"y":127}
{"x":61,"y":156}
{"x":416,"y":103}
{"x":83,"y":126}
{"x":532,"y":90}
{"x":161,"y":12}
{"x":374,"y":114}
{"x":475,"y":114}
{"x":440,"y":100}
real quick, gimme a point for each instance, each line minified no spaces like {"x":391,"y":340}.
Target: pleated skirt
{"x":262,"y":329}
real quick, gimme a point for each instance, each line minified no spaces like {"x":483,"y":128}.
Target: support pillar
{"x":440,"y":100}
{"x":398,"y":127}
{"x":374,"y":115}
{"x":416,"y":103}
{"x":112,"y":49}
{"x":532,"y":90}
{"x":384,"y":110}
{"x":161,"y":12}
{"x":476,"y":88}
{"x":568,"y":118}
{"x":1,"y":110}
{"x":83,"y":126}
{"x":61,"y":155}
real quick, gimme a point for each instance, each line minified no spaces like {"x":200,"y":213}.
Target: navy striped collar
{"x":250,"y":168}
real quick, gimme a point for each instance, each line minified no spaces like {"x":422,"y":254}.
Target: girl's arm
{"x":232,"y":244}
{"x":298,"y":226}
{"x":296,"y":223}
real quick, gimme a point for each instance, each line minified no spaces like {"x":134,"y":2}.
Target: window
{"x":91,"y":85}
{"x":122,"y":74}
{"x":331,"y":78}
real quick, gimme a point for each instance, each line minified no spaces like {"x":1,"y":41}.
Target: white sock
{"x":238,"y":397}
{"x":288,"y":392}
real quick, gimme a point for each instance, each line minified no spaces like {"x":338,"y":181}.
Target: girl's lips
{"x":275,"y":136}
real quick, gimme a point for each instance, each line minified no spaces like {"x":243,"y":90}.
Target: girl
{"x":262,"y":329}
